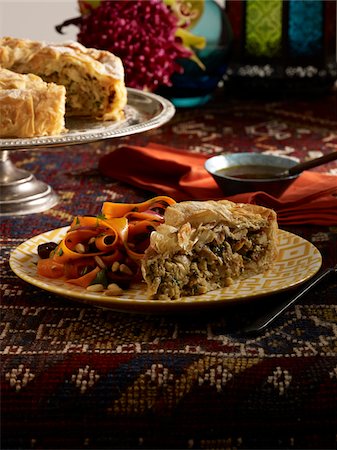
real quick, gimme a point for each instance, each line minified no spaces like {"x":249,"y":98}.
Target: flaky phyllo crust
{"x":30,"y":107}
{"x":94,"y":79}
{"x":207,"y":245}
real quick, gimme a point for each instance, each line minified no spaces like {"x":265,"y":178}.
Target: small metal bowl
{"x":230,"y":185}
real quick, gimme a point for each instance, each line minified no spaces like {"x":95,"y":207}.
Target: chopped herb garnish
{"x":84,"y":271}
{"x":101,"y":278}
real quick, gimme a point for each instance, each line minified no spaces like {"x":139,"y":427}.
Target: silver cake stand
{"x":22,"y":193}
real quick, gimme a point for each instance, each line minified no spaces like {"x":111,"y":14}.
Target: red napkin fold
{"x":311,"y":199}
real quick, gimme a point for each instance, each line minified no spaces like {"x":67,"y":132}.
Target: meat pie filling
{"x":212,"y":262}
{"x":85,"y":95}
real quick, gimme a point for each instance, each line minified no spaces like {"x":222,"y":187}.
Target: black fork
{"x":264,"y":321}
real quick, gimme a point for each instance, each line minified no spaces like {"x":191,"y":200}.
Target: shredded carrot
{"x":113,"y":242}
{"x":49,"y":268}
{"x":111,"y":210}
{"x":85,"y":280}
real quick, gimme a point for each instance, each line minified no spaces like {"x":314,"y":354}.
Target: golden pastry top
{"x":13,"y":80}
{"x":16,"y":54}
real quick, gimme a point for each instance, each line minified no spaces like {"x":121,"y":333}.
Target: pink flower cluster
{"x":142,"y":34}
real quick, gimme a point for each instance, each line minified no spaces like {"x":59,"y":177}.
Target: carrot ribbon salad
{"x":104,"y":252}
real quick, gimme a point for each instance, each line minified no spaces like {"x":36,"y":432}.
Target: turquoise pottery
{"x":196,"y":86}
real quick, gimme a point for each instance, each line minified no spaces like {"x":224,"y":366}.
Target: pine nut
{"x":91,"y":240}
{"x":99,"y":262}
{"x":115,"y":266}
{"x":125,"y":269}
{"x":95,"y":288}
{"x":79,"y":248}
{"x":114,"y":289}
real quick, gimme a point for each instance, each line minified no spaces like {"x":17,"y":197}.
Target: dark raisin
{"x":44,"y":250}
{"x":92,"y":248}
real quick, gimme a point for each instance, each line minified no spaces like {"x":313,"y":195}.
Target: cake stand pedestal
{"x":21,"y":192}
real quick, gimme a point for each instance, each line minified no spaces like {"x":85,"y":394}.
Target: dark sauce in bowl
{"x":251,"y":172}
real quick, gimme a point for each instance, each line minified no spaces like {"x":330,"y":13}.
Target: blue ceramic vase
{"x":196,"y":86}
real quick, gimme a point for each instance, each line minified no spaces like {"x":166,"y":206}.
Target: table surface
{"x":75,"y":376}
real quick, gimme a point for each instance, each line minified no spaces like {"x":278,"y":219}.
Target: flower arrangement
{"x":151,"y":37}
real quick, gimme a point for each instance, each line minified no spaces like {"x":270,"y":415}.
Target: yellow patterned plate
{"x":298,"y":260}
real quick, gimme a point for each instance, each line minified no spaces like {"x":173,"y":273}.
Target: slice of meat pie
{"x":204,"y":246}
{"x":30,"y":107}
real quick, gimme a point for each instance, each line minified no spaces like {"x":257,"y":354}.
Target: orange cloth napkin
{"x":311,"y":199}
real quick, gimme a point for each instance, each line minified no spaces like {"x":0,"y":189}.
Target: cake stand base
{"x":21,"y":192}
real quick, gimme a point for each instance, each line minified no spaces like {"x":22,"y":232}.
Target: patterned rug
{"x":78,"y":377}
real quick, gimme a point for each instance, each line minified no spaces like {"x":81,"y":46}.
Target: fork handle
{"x":262,"y":322}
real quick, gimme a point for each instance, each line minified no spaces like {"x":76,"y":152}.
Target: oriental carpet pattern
{"x":78,"y":377}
